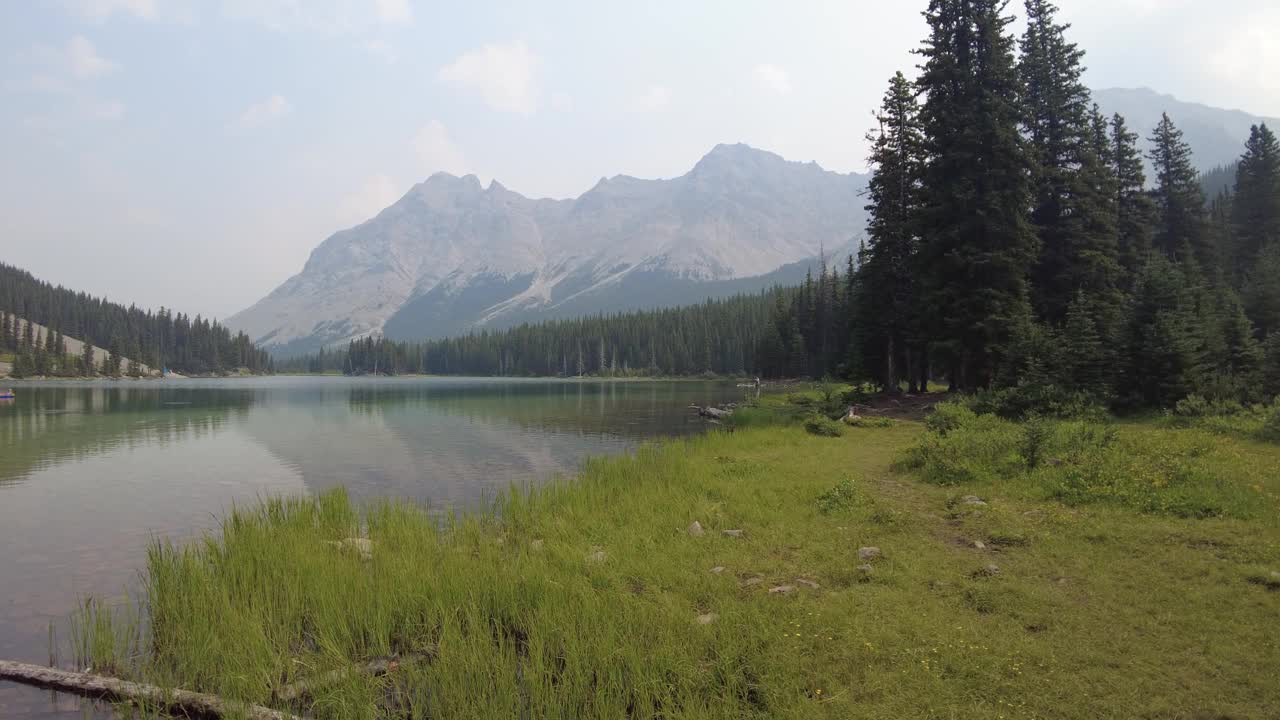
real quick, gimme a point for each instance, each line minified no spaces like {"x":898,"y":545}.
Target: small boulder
{"x":695,"y":528}
{"x":979,"y":545}
{"x":808,"y":583}
{"x":988,"y":570}
{"x":869,"y":553}
{"x":752,"y":581}
{"x":733,"y":533}
{"x":363,"y":546}
{"x":864,"y":571}
{"x":782,"y":589}
{"x":717,"y":569}
{"x":973,"y":500}
{"x":707,"y":618}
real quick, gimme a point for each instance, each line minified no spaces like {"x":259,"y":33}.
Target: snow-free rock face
{"x":452,"y":255}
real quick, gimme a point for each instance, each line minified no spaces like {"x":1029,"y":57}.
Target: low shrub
{"x":823,"y":426}
{"x":948,"y":416}
{"x":841,"y":497}
{"x":1082,"y":462}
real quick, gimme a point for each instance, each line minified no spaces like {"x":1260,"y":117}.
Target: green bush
{"x":841,"y":497}
{"x":823,"y":427}
{"x":1085,"y":462}
{"x":948,"y":416}
{"x":1270,"y":430}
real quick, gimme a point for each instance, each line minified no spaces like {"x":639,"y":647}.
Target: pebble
{"x":695,"y":529}
{"x":708,"y":618}
{"x":868,"y":553}
{"x":733,"y":533}
{"x":781,"y":589}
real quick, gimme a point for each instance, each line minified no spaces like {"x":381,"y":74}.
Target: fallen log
{"x":181,"y":703}
{"x":376,"y":667}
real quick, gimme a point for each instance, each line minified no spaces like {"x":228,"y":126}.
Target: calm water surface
{"x":90,"y":472}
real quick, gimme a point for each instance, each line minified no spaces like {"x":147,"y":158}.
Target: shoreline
{"x":765,"y":571}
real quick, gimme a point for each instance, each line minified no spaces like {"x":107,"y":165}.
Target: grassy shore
{"x":995,"y":593}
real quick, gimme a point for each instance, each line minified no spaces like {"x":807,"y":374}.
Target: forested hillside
{"x":1014,"y":246}
{"x":156,"y":339}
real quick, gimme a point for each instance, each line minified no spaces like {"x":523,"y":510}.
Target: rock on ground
{"x":695,"y":528}
{"x":708,"y":618}
{"x":781,"y":589}
{"x":869,"y":553}
{"x":733,"y":533}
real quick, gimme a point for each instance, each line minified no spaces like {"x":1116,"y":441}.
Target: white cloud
{"x":102,"y":9}
{"x":773,"y":78}
{"x":436,"y":151}
{"x":373,"y":195}
{"x":110,"y":110}
{"x":393,"y":11}
{"x":506,"y":76}
{"x":654,"y":98}
{"x":263,"y":113}
{"x":561,"y":101}
{"x":83,"y":60}
{"x":335,"y":17}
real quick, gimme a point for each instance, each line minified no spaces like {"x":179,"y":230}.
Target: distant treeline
{"x":717,"y":336}
{"x":158,"y":339}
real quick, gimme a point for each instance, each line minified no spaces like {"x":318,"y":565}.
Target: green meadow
{"x":960,"y":567}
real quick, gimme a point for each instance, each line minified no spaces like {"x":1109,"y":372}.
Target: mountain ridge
{"x":452,"y":255}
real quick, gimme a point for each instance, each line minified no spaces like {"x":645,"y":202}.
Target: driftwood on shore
{"x":375,"y":668}
{"x":181,"y":703}
{"x":713,"y":413}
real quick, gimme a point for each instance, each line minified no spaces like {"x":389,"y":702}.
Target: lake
{"x":91,"y":472}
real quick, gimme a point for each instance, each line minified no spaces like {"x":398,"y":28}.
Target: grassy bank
{"x":592,"y":598}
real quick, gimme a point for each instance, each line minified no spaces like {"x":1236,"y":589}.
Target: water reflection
{"x":90,"y":472}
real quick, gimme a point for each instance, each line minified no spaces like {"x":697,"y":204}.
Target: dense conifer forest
{"x":159,"y":339}
{"x":1015,"y":247}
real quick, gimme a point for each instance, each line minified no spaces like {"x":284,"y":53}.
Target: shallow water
{"x":90,"y":472}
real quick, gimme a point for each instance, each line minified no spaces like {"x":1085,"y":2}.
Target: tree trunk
{"x":181,"y":703}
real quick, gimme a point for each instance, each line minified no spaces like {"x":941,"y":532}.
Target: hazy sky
{"x":191,"y":153}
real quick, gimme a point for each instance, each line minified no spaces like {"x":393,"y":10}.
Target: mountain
{"x":452,"y":255}
{"x":1216,"y":136}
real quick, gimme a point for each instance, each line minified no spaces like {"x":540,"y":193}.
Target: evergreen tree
{"x":1271,"y":367}
{"x":1256,"y":205}
{"x":888,"y":314}
{"x":1089,"y":366}
{"x":1262,"y":291}
{"x":978,"y":242}
{"x":1072,"y":214}
{"x":88,"y":365}
{"x":1163,"y":342}
{"x":1181,"y":228}
{"x":1135,"y":210}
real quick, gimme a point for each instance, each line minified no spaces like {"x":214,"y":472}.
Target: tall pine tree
{"x":888,"y":314}
{"x":979,"y":244}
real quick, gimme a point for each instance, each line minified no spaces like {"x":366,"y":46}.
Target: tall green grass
{"x":579,"y":599}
